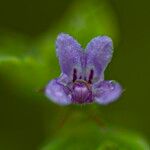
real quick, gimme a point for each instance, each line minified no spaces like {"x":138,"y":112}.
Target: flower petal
{"x":57,"y":92}
{"x":70,"y":54}
{"x":99,"y":53}
{"x":63,"y":79}
{"x":107,"y":92}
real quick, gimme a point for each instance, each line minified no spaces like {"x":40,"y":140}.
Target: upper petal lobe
{"x":98,"y":54}
{"x":70,"y":55}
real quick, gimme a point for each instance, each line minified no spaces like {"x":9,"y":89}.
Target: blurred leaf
{"x":23,"y":76}
{"x":123,"y":140}
{"x":97,"y":140}
{"x":13,"y":44}
{"x":8,"y":59}
{"x":81,"y":133}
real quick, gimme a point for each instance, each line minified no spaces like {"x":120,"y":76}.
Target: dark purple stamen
{"x":91,"y":76}
{"x":74,"y":75}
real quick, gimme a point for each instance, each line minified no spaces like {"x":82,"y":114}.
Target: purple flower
{"x":82,"y":78}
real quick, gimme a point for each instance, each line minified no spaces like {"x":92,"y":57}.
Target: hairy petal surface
{"x":107,"y":92}
{"x":98,"y":54}
{"x":70,"y":55}
{"x":57,"y":92}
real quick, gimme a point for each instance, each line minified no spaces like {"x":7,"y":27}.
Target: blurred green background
{"x":28,"y":120}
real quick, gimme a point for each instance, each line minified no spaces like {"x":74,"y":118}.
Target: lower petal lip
{"x":81,"y":92}
{"x":57,"y":93}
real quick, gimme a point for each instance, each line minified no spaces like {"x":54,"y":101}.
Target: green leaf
{"x":8,"y":59}
{"x":80,"y":133}
{"x":97,"y":140}
{"x":13,"y":44}
{"x":23,"y":73}
{"x":123,"y":140}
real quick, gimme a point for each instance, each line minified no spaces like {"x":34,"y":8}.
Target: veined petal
{"x":107,"y":92}
{"x":63,"y":79}
{"x":98,"y":54}
{"x":70,"y":53}
{"x":82,"y":92}
{"x":58,"y":93}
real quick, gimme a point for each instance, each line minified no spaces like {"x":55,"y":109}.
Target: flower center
{"x":88,"y":79}
{"x":81,"y":92}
